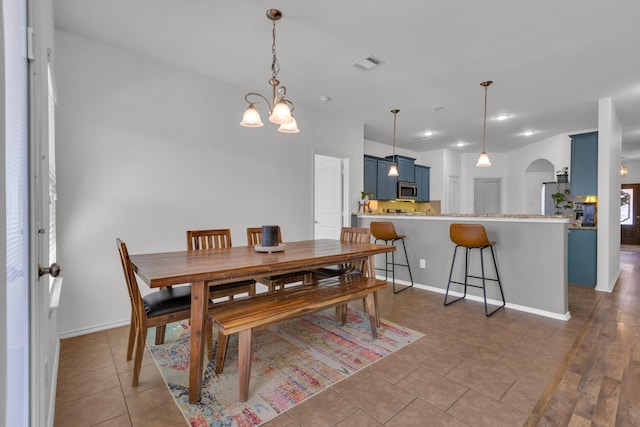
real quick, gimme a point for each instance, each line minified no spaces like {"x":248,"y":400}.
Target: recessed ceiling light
{"x":502,"y":117}
{"x":460,"y":144}
{"x":528,"y":132}
{"x":427,"y":134}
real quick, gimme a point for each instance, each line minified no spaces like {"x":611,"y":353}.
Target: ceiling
{"x":550,"y":60}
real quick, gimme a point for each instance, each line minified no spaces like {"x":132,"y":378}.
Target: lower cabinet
{"x":582,"y":256}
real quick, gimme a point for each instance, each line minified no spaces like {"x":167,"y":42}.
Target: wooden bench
{"x":245,"y":315}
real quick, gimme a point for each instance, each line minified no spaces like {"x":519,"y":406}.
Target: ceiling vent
{"x":367,"y":63}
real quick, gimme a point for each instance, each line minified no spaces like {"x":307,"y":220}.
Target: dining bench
{"x":245,"y":315}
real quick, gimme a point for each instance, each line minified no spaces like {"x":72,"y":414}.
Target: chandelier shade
{"x":623,"y":168}
{"x":251,"y":118}
{"x":280,"y":109}
{"x":291,"y":127}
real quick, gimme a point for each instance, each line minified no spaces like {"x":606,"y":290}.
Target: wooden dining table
{"x":212,"y":267}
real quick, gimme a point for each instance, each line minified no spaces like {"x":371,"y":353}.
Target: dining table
{"x":211,"y":267}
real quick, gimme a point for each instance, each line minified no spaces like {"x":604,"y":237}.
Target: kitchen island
{"x":531,"y":253}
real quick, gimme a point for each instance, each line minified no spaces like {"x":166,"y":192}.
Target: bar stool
{"x":472,"y":236}
{"x":386,"y":231}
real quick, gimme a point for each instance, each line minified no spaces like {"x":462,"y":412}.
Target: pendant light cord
{"x":484,"y":128}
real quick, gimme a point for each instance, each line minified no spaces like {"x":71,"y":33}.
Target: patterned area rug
{"x":292,"y":361}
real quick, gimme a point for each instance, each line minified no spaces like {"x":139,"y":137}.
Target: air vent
{"x":367,"y":63}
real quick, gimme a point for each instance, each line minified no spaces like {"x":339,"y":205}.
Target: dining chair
{"x":254,"y":237}
{"x":219,"y":238}
{"x":347,"y":235}
{"x":156,"y":309}
{"x":350,"y":235}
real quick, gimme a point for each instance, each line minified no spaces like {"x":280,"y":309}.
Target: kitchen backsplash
{"x":406,"y":206}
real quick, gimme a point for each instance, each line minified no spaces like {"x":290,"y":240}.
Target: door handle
{"x":54,"y":270}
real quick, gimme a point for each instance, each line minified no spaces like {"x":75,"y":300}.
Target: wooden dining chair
{"x":219,"y":238}
{"x":254,"y":237}
{"x":156,"y":309}
{"x":347,"y":235}
{"x":350,"y":235}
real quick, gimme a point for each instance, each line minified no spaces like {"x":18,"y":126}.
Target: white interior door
{"x":328,"y":196}
{"x":453,"y":201}
{"x":45,"y":282}
{"x":487,"y":196}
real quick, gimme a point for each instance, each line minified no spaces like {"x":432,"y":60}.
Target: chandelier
{"x":483,"y":160}
{"x":280,"y":109}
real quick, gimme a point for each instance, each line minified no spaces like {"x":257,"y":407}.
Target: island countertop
{"x":464,"y":217}
{"x":531,"y":254}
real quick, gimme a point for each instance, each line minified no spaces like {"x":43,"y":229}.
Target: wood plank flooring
{"x":513,"y":369}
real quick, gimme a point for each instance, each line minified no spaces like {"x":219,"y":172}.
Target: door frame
{"x":344,"y":159}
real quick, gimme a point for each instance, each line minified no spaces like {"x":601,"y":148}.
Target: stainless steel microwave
{"x":407,"y":190}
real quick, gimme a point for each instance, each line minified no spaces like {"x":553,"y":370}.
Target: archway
{"x":538,"y":172}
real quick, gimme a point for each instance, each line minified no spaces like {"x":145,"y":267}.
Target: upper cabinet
{"x":370,"y":176}
{"x":584,"y":164}
{"x":422,"y":181}
{"x":406,"y":171}
{"x":384,"y":187}
{"x":387,"y":186}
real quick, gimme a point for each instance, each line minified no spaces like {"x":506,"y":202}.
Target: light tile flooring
{"x":512,"y":369}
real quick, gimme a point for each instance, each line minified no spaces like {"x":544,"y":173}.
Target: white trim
{"x":99,"y":328}
{"x":54,"y":385}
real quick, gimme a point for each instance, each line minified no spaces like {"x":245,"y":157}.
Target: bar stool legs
{"x":468,"y":243}
{"x":386,"y":232}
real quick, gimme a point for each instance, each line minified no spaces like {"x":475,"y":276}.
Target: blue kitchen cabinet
{"x":582,"y":254}
{"x":387,"y":186}
{"x":422,"y":182}
{"x":370,"y":176}
{"x":406,"y":171}
{"x":584,"y":164}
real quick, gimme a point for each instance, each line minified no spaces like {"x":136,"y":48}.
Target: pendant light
{"x":623,"y":168}
{"x":393,"y":168}
{"x":483,"y":160}
{"x":280,"y":110}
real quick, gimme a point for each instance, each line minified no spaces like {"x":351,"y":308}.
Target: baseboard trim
{"x":566,"y":316}
{"x":98,"y":328}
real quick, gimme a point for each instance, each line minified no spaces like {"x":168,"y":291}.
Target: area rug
{"x":292,"y":361}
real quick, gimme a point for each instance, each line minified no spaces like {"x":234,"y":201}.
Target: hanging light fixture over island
{"x":393,"y":167}
{"x":483,"y":160}
{"x":280,"y":110}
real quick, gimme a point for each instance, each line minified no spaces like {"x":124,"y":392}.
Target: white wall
{"x":147,"y":151}
{"x":609,"y":148}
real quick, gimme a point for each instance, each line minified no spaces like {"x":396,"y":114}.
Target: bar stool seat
{"x":472,"y":236}
{"x":385,"y":231}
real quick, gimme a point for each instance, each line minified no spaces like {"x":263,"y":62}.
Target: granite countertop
{"x":524,"y":218}
{"x":457,"y":215}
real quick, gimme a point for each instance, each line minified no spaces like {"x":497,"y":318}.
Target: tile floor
{"x":512,"y":369}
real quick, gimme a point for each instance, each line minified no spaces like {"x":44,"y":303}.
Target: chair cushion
{"x":166,"y":301}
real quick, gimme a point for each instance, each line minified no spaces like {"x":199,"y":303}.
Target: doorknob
{"x":54,"y":270}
